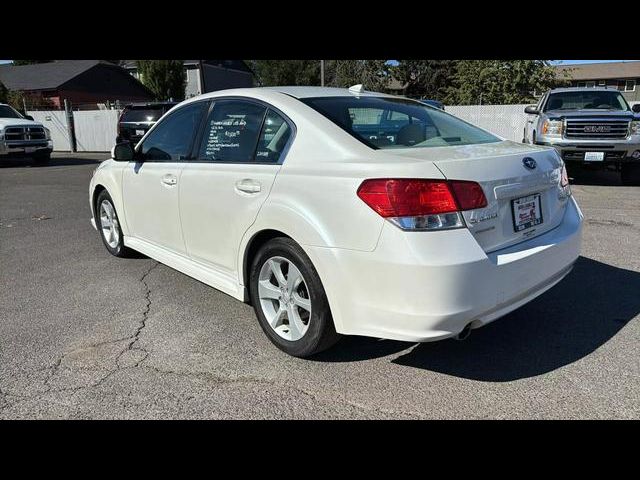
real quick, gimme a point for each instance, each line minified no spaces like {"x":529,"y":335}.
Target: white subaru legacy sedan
{"x":342,"y":212}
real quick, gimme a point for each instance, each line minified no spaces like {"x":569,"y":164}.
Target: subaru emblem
{"x":529,"y":162}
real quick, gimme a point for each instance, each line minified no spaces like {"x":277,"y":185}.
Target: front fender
{"x":108,"y":175}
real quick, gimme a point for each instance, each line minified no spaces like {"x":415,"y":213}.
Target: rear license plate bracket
{"x":526,"y":212}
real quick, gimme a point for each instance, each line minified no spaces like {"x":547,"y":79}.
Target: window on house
{"x":630,"y":86}
{"x":580,"y":84}
{"x":591,"y":84}
{"x":602,"y":83}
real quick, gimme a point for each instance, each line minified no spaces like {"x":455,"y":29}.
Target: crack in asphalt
{"x":212,"y":377}
{"x":131,"y":346}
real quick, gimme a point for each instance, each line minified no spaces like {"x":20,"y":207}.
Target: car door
{"x":242,"y":146}
{"x":151,"y":183}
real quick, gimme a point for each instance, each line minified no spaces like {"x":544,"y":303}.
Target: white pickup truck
{"x":21,"y":136}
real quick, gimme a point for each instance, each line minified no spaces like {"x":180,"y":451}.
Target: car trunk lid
{"x":517,"y":194}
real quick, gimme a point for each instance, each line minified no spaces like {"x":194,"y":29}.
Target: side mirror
{"x":122,"y":152}
{"x":28,"y":117}
{"x":636,"y":108}
{"x":531,"y":110}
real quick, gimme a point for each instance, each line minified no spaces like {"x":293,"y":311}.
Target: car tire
{"x":42,"y":158}
{"x":309,"y":331}
{"x":630,"y":175}
{"x":108,"y":225}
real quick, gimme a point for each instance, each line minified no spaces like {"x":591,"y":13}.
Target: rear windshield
{"x":583,"y":100}
{"x":144,"y":114}
{"x":7,"y":112}
{"x":386,"y":123}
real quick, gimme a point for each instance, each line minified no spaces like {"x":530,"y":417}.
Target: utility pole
{"x":322,"y":73}
{"x":70,"y":127}
{"x":202,"y":87}
{"x":24,"y":105}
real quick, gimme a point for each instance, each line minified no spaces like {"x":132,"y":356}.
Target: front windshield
{"x":585,"y":100}
{"x":388,"y":122}
{"x":7,"y":112}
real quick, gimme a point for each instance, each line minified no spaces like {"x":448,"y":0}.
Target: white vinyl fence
{"x":96,"y":129}
{"x":506,"y":121}
{"x":56,"y":121}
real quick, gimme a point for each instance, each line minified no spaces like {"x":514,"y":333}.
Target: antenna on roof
{"x":357,"y":88}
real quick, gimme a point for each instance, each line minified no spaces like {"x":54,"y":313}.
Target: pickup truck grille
{"x":24,"y":133}
{"x":588,"y":129}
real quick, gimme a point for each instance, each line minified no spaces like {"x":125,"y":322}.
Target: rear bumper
{"x":428,"y":286}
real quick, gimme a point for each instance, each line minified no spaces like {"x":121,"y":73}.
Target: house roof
{"x":44,"y":76}
{"x":132,"y":65}
{"x":600,"y":71}
{"x":230,"y":64}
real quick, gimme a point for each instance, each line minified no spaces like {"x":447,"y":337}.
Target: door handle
{"x":248,"y":185}
{"x":169,"y":179}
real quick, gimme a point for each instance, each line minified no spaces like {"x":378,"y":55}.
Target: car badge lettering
{"x":597,"y":129}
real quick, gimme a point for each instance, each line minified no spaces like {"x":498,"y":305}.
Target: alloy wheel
{"x":109,"y":224}
{"x":284,"y":298}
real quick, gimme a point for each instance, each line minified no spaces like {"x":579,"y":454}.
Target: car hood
{"x":589,"y":113}
{"x":5,"y":122}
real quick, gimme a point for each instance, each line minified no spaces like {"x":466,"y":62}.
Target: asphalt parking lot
{"x":87,"y":335}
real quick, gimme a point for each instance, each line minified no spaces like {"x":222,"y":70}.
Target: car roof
{"x":149,"y":104}
{"x":293,"y":91}
{"x":314,"y":92}
{"x":585,"y":89}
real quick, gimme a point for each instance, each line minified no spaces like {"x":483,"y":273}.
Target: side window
{"x":275,"y":134}
{"x":171,"y":139}
{"x":232,"y":130}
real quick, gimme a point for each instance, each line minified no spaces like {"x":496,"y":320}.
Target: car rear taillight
{"x":420,"y":204}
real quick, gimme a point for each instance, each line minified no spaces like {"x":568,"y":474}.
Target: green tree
{"x":425,"y":78}
{"x":3,"y":93}
{"x":286,"y":72}
{"x":165,"y":78}
{"x":500,"y":81}
{"x":373,"y":74}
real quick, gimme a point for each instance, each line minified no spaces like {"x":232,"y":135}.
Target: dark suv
{"x":137,"y":118}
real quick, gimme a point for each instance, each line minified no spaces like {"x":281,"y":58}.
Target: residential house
{"x":625,"y":76}
{"x":82,"y":82}
{"x":215,"y":74}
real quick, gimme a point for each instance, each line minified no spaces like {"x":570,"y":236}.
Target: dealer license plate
{"x":29,"y":149}
{"x":527,"y":212}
